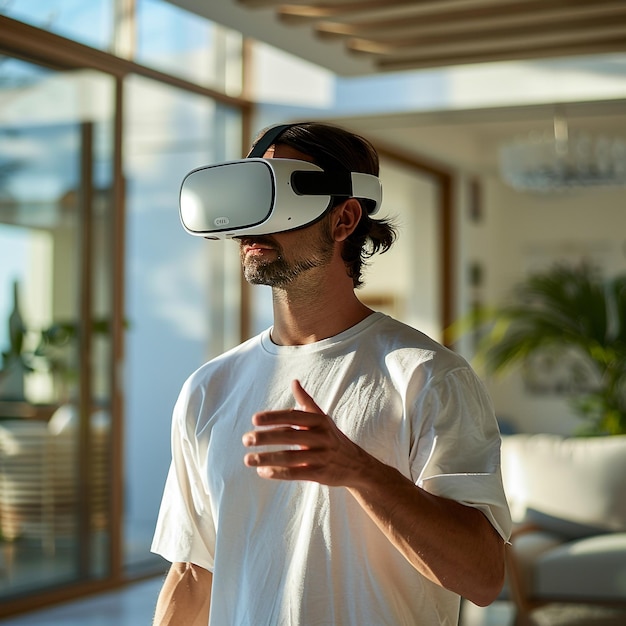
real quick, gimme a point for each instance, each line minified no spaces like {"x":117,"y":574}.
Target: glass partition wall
{"x":105,"y":304}
{"x":55,"y":321}
{"x":177,"y":297}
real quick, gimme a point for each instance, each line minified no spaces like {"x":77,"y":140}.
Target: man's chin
{"x":255,"y":275}
{"x":271,"y":279}
{"x":260,"y":280}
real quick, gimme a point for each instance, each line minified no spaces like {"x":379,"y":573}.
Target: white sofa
{"x":568,"y":500}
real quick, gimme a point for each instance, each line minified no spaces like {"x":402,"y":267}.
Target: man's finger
{"x":304,"y":400}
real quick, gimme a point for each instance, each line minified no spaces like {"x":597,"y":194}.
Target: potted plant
{"x":14,"y":363}
{"x":566,"y":319}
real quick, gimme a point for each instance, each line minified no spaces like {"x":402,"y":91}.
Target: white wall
{"x":408,"y":274}
{"x":524,"y":232}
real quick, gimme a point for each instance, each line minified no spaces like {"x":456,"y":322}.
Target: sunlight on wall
{"x":484,"y":85}
{"x":407,"y":276}
{"x":522,"y":83}
{"x":284,"y":79}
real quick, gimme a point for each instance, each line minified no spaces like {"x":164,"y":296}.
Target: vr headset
{"x":257,"y":196}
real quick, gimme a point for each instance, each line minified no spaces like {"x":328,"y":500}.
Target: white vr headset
{"x":256,"y":196}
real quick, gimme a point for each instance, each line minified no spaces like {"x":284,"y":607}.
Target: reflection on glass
{"x":54,"y":368}
{"x":90,"y":22}
{"x":176,"y":285}
{"x":186,"y":45}
{"x":38,"y":226}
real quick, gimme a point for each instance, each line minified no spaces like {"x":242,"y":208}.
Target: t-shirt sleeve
{"x":185,"y":529}
{"x":457,"y":453}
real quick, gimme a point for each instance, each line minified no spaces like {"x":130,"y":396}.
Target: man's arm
{"x":453,"y":545}
{"x":185,"y":597}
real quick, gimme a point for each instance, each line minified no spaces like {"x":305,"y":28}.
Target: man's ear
{"x":345,"y":218}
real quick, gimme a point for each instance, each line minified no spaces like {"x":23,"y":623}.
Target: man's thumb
{"x":303,"y":399}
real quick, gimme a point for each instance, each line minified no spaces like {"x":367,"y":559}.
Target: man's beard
{"x":280,"y":272}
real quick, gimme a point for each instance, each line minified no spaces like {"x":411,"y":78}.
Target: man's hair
{"x":334,"y":148}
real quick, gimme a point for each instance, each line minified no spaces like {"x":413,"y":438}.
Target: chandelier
{"x":563,"y":160}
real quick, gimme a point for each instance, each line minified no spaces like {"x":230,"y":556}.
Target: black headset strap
{"x":267,"y":140}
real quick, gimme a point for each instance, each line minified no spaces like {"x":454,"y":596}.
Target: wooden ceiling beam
{"x":392,"y":64}
{"x":613,"y":9}
{"x":567,"y":29}
{"x":308,"y":9}
{"x":265,"y":4}
{"x":304,"y":11}
{"x":522,"y":42}
{"x":403,"y":34}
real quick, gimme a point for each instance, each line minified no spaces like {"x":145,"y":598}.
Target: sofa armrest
{"x":528,"y":541}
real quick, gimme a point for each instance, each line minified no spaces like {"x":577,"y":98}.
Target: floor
{"x":131,"y":606}
{"x":134,"y":606}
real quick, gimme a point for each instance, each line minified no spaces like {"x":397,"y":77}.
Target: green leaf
{"x":566,"y":310}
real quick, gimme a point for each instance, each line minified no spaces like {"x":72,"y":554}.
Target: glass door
{"x":182,"y":292}
{"x":56,"y":291}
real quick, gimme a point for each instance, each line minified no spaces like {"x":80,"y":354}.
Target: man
{"x":367,"y":490}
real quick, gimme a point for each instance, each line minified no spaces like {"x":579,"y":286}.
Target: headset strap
{"x":337,"y":184}
{"x":267,"y":140}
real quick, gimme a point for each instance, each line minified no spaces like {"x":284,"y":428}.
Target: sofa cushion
{"x":594,"y":567}
{"x":575,"y":486}
{"x":564,"y":528}
{"x":527,"y":547}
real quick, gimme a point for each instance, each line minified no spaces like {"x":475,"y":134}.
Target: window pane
{"x":90,"y":22}
{"x":186,"y":45}
{"x":54,"y":370}
{"x":179,"y":290}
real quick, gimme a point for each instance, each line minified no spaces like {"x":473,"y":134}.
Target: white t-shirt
{"x":299,"y":553}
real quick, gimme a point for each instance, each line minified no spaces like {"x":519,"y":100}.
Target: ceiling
{"x":364,"y":36}
{"x":367,"y":37}
{"x":469,"y":139}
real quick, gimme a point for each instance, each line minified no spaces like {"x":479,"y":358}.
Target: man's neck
{"x":303,"y":316}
